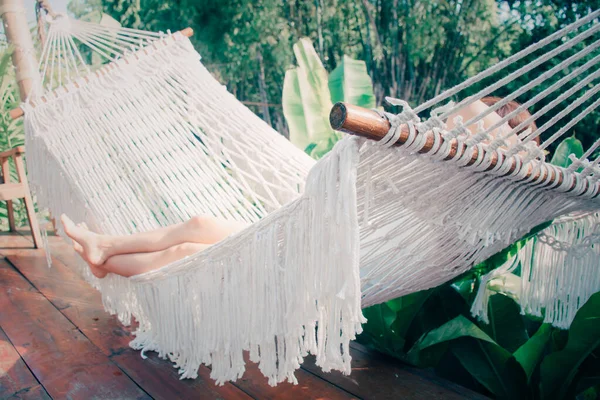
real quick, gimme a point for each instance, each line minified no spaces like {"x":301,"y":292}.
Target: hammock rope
{"x":508,"y":61}
{"x":149,"y":138}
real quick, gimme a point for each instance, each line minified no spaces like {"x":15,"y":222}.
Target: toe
{"x":66,"y":221}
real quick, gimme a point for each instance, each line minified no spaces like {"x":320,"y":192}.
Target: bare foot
{"x":97,"y":271}
{"x":94,"y":247}
{"x":77,"y":247}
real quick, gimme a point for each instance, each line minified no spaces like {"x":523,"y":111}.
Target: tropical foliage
{"x":514,"y":356}
{"x":309,"y":93}
{"x":412,"y":49}
{"x":11,"y":131}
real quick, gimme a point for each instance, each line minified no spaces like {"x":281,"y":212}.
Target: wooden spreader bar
{"x":18,"y":112}
{"x":367,"y":123}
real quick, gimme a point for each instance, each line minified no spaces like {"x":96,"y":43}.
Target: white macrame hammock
{"x":152,"y":139}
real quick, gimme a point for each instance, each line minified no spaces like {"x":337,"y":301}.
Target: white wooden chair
{"x":18,"y":190}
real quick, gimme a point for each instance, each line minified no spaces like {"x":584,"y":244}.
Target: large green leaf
{"x":351,"y":83}
{"x":6,"y":78}
{"x":559,"y":369}
{"x":293,"y":109}
{"x":389,"y":322}
{"x":492,"y":366}
{"x":481,"y":356}
{"x":530,"y":353}
{"x":570,"y":145}
{"x":378,"y":330}
{"x":306,"y":99}
{"x":406,"y":309}
{"x":453,"y":329}
{"x":506,"y":325}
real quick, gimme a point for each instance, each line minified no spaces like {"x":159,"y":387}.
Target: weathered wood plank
{"x":62,"y":359}
{"x":161,"y":380}
{"x":82,"y":305}
{"x":378,"y":376}
{"x":309,"y":386}
{"x":33,"y":393}
{"x":428,"y":375}
{"x":16,"y":381}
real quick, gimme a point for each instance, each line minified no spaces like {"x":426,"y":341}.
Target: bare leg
{"x":134,"y":264}
{"x":200,"y":229}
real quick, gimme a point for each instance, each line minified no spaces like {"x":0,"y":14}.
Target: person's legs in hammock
{"x":201,"y":229}
{"x":137,"y":263}
{"x":134,"y":264}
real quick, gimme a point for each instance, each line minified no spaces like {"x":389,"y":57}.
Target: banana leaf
{"x":306,"y":99}
{"x":350,"y":82}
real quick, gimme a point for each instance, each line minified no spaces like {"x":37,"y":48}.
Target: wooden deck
{"x":56,"y":341}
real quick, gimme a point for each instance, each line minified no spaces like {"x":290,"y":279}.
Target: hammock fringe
{"x":559,"y":272}
{"x":259,"y":287}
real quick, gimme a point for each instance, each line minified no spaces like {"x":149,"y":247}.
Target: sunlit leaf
{"x":350,"y":82}
{"x":570,"y":145}
{"x":454,"y":329}
{"x":11,"y":131}
{"x":306,"y":99}
{"x":294,"y":112}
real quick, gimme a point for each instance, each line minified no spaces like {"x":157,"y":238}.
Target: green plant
{"x":11,"y":131}
{"x":514,"y":356}
{"x":308,"y":95}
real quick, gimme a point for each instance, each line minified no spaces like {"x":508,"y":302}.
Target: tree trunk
{"x":17,"y":34}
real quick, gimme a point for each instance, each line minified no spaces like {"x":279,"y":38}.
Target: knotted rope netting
{"x":151,"y":139}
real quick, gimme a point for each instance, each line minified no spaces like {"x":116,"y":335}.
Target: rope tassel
{"x":249,"y":293}
{"x":559,"y":271}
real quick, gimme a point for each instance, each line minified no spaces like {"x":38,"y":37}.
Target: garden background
{"x":361,"y":51}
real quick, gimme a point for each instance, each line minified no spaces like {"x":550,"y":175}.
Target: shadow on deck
{"x":56,"y":341}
